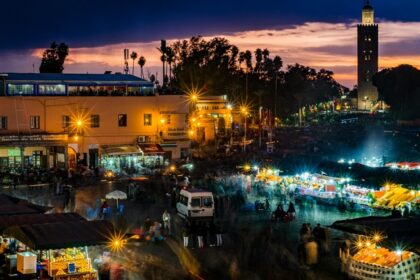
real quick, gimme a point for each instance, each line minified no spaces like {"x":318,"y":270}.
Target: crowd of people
{"x":313,"y":243}
{"x":200,"y":234}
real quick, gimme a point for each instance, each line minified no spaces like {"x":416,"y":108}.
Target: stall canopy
{"x":14,"y":206}
{"x":396,"y":229}
{"x":151,"y":149}
{"x":121,"y":150}
{"x":20,"y":220}
{"x":62,"y":235}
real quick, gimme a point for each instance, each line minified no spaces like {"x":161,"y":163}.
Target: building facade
{"x":211,"y":118}
{"x":367,"y":58}
{"x":61,"y":120}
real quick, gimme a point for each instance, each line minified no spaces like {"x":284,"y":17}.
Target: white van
{"x":195,"y":204}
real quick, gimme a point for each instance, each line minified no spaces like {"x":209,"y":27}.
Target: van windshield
{"x":207,"y":201}
{"x":195,"y":202}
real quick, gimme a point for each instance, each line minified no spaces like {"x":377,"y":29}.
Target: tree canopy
{"x":399,"y":87}
{"x":217,"y":67}
{"x":53,"y":58}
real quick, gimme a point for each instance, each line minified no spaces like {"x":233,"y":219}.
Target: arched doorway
{"x":71,"y":158}
{"x":221,"y":126}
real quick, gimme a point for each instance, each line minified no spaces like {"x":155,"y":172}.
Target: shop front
{"x":33,"y":151}
{"x":152,"y":155}
{"x":132,"y":159}
{"x":122,"y":158}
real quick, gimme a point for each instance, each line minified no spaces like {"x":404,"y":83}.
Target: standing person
{"x":317,"y":233}
{"x":166,"y":217}
{"x":212,"y":234}
{"x":344,"y":254}
{"x":311,"y":249}
{"x":291,"y":211}
{"x":186,"y":233}
{"x":200,"y":234}
{"x":218,"y":235}
{"x":193,"y":234}
{"x":156,"y":232}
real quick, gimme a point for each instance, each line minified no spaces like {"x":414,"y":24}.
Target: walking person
{"x":166,"y":217}
{"x":291,"y":211}
{"x":218,"y":231}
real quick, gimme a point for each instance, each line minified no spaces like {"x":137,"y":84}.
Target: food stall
{"x":374,"y":262}
{"x":59,"y":250}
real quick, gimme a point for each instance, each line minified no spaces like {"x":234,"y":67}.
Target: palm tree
{"x":141,"y":62}
{"x":163,"y":50}
{"x":170,"y":56}
{"x":133,"y":56}
{"x":241,"y":58}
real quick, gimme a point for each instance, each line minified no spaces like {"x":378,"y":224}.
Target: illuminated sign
{"x":34,"y":138}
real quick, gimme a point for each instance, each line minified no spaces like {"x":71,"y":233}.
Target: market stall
{"x":375,"y":262}
{"x":59,"y":250}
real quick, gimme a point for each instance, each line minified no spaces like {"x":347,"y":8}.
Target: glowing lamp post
{"x":244,"y":111}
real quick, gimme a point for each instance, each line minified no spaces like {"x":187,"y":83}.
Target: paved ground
{"x":254,"y":247}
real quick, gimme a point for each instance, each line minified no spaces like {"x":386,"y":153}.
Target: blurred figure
{"x":291,"y":211}
{"x":218,"y":235}
{"x":344,"y":254}
{"x":166,"y":217}
{"x":200,"y":234}
{"x":186,"y":234}
{"x":311,"y":250}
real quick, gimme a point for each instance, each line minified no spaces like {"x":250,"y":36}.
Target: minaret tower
{"x":367,"y":58}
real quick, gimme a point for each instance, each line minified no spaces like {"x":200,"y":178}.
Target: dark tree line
{"x":217,"y":67}
{"x":399,"y":87}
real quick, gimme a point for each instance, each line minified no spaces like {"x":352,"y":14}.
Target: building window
{"x":52,"y":89}
{"x":94,"y":121}
{"x":66,"y":121}
{"x":19,"y":89}
{"x":3,"y":122}
{"x":122,"y":120}
{"x":167,"y":119}
{"x":147,"y":119}
{"x":35,"y":122}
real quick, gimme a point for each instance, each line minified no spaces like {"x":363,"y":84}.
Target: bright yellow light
{"x":162,"y":121}
{"x":368,"y":244}
{"x":172,"y":168}
{"x":229,"y":106}
{"x":194,"y":97}
{"x":193,"y":120}
{"x":377,"y":237}
{"x":247,"y":167}
{"x":76,"y":138}
{"x":191,"y":132}
{"x":359,"y":244}
{"x":244,"y":110}
{"x":117,"y":242}
{"x":198,"y":124}
{"x":79,"y":123}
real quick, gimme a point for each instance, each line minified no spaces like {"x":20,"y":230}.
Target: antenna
{"x":126,"y":56}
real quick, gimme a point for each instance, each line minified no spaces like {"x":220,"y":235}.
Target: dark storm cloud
{"x":338,"y":50}
{"x":409,"y":47}
{"x":33,"y":24}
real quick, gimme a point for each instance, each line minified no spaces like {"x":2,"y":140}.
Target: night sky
{"x":94,"y":27}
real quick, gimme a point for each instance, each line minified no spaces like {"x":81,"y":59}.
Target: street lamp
{"x":365,"y":99}
{"x":244,"y":111}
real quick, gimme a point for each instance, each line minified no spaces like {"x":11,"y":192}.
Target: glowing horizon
{"x":315,"y":44}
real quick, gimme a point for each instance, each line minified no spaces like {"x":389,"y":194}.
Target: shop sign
{"x":33,"y":138}
{"x":13,"y":152}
